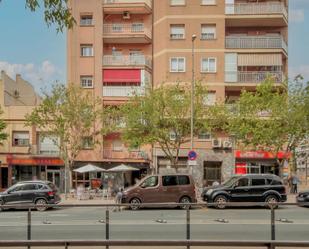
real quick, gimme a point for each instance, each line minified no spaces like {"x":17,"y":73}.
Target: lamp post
{"x":192,"y":92}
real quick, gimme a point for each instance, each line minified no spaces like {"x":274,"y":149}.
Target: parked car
{"x":265,"y":188}
{"x":39,"y":193}
{"x":170,"y":188}
{"x":303,"y":198}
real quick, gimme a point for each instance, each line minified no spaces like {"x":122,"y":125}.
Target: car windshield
{"x":230,"y":181}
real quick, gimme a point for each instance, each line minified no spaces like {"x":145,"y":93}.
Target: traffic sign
{"x":192,"y":163}
{"x":192,"y":155}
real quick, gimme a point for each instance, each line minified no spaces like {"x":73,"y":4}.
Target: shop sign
{"x":260,"y":154}
{"x":33,"y":161}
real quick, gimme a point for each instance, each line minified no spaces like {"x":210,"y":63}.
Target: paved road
{"x":88,"y":223}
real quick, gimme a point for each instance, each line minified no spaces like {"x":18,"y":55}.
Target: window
{"x":209,"y":65}
{"x":137,"y":27}
{"x":87,"y":143}
{"x":204,"y":136}
{"x":169,"y":180}
{"x":242,"y":182}
{"x":183,"y":180}
{"x":86,"y":20}
{"x":48,"y":144}
{"x":20,"y":138}
{"x":177,"y":2}
{"x":258,"y":182}
{"x":210,"y":99}
{"x":151,"y":181}
{"x":173,"y":135}
{"x":276,"y":182}
{"x":208,"y":2}
{"x":177,"y":31}
{"x":177,"y":64}
{"x":86,"y":50}
{"x":208,"y":31}
{"x":117,"y":145}
{"x":117,"y":27}
{"x":86,"y":81}
{"x":28,"y":187}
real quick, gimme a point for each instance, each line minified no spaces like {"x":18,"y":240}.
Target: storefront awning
{"x":261,"y":154}
{"x":121,"y":75}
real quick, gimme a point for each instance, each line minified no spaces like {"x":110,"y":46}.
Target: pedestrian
{"x":295,"y":181}
{"x":290,"y":183}
{"x":118,"y":200}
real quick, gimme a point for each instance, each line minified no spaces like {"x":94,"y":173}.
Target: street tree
{"x":272,"y":118}
{"x":3,"y":134}
{"x":67,"y":115}
{"x":55,"y":12}
{"x":161,"y":117}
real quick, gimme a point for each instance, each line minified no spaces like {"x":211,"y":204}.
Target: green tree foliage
{"x":69,"y":114}
{"x":3,"y":134}
{"x":162,"y":114}
{"x":272,"y":118}
{"x":55,"y":12}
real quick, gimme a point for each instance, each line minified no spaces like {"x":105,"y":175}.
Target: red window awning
{"x":121,"y":75}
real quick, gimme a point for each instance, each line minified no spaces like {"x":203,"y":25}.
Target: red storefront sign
{"x":241,"y":168}
{"x":122,"y":75}
{"x":261,"y":154}
{"x":33,"y":161}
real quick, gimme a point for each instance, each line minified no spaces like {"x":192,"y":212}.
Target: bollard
{"x":188,"y":224}
{"x":29,"y":226}
{"x":273,"y":231}
{"x":107,"y":226}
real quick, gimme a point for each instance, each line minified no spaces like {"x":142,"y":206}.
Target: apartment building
{"x":26,"y":154}
{"x":120,"y":46}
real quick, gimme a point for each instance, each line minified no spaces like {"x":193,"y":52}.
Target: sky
{"x":38,"y":52}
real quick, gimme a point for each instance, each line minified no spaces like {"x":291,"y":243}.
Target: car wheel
{"x":220,"y":201}
{"x":135,"y":204}
{"x":41,"y":205}
{"x":271,"y":201}
{"x":185,"y":200}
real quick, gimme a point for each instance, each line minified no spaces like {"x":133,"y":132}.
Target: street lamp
{"x":192,"y":91}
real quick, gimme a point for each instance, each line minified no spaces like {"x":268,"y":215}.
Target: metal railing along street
{"x":187,"y":241}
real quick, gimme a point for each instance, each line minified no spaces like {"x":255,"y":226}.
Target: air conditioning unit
{"x":227,"y":144}
{"x":216,"y":143}
{"x":126,"y":15}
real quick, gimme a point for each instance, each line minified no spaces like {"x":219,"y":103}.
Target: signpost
{"x":192,"y":158}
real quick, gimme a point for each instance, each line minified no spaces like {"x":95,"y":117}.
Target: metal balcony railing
{"x":122,"y":91}
{"x":126,"y":60}
{"x":125,"y":154}
{"x":261,"y":8}
{"x":258,"y":77}
{"x":116,"y":2}
{"x":121,"y":29}
{"x":247,"y":42}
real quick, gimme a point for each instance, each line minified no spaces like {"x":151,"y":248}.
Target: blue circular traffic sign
{"x":192,"y":155}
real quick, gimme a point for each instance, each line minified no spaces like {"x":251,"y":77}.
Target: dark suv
{"x":39,"y":193}
{"x":265,"y":188}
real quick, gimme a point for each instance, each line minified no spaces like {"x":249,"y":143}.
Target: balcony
{"x":255,"y":42}
{"x":126,"y":61}
{"x":258,"y":77}
{"x":126,"y":33}
{"x":124,"y":155}
{"x":256,"y":14}
{"x":122,"y":91}
{"x":133,"y":6}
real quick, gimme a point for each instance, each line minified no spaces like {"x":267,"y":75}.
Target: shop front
{"x":259,"y":162}
{"x":31,"y":168}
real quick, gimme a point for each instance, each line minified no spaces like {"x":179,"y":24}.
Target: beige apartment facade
{"x":120,"y":46}
{"x":26,"y":154}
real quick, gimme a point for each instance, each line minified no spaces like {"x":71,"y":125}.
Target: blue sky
{"x":28,"y":47}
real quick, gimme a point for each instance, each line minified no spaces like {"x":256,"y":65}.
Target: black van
{"x":265,"y":188}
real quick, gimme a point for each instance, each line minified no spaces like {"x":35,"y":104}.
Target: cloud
{"x":296,"y":16}
{"x":302,"y":70}
{"x":40,"y":76}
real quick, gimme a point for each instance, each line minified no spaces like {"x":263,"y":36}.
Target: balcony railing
{"x":256,"y":8}
{"x":122,"y":91}
{"x":125,"y":154}
{"x":258,"y":77}
{"x":255,"y":42}
{"x":126,"y":60}
{"x":122,"y":29}
{"x":116,"y":2}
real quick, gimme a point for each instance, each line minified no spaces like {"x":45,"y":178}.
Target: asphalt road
{"x":156,"y":224}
